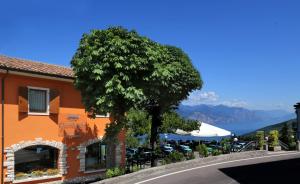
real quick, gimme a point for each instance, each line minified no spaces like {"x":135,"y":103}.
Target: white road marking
{"x":220,"y":163}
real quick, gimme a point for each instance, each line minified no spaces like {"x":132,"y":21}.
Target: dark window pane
{"x":95,"y":156}
{"x":36,"y":158}
{"x":37,"y":100}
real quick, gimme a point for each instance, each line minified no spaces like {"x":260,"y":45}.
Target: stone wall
{"x":10,"y":155}
{"x":118,"y":154}
{"x":82,"y":149}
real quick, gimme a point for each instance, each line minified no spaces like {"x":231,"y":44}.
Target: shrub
{"x":166,"y":160}
{"x":190,"y":156}
{"x":287,"y":136}
{"x":135,"y":168}
{"x":216,"y":152}
{"x":110,"y":173}
{"x":114,"y":172}
{"x":225,"y":143}
{"x":202,"y":149}
{"x":175,"y":157}
{"x":52,"y":171}
{"x":260,"y":139}
{"x":273,"y":138}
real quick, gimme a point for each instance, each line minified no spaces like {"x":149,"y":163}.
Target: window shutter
{"x":23,"y":99}
{"x":54,"y":101}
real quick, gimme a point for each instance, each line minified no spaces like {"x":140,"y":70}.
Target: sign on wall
{"x":72,"y":125}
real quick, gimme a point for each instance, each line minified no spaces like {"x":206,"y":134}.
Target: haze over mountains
{"x":236,"y":119}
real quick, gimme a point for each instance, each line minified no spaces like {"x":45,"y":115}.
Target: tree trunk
{"x":156,"y":122}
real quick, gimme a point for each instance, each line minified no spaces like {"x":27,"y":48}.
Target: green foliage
{"x":216,"y":152}
{"x":175,"y":157}
{"x":225,"y":143}
{"x":202,"y":149}
{"x":278,"y":127}
{"x":166,"y":160}
{"x":173,"y":78}
{"x":114,"y":172}
{"x":111,"y":68}
{"x":287,"y":136}
{"x":172,"y":121}
{"x":116,"y":69}
{"x":190,"y":156}
{"x":260,"y":139}
{"x":273,"y":138}
{"x":135,"y":168}
{"x":131,"y":140}
{"x":138,"y":121}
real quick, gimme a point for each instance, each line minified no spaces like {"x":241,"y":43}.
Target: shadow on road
{"x":285,"y":171}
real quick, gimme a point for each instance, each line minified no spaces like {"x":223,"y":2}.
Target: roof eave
{"x":37,"y":74}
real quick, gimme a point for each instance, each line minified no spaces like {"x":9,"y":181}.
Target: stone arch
{"x":82,"y":148}
{"x":10,"y":155}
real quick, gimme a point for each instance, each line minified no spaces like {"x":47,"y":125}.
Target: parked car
{"x":131,"y":152}
{"x":144,"y":153}
{"x":185,"y":149}
{"x":167,"y":149}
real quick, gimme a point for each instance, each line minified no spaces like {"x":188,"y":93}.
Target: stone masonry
{"x":82,"y":149}
{"x":10,"y":155}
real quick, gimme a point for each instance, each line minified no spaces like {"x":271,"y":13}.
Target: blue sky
{"x":248,"y":51}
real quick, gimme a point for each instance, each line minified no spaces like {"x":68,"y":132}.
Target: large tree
{"x":173,"y":78}
{"x":117,"y":69}
{"x":111,"y":67}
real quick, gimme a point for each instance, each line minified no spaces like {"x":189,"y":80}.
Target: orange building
{"x":46,"y":133}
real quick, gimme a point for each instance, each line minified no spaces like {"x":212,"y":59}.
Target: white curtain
{"x":37,"y":100}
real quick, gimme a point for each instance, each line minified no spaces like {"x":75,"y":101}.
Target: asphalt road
{"x":273,"y":169}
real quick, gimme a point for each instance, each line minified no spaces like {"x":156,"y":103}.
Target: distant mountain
{"x":236,"y":119}
{"x":277,"y":126}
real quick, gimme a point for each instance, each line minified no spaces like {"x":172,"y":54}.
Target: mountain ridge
{"x":235,"y":119}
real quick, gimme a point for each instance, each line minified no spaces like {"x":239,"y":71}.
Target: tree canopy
{"x":171,"y":121}
{"x":110,"y":67}
{"x":173,"y":78}
{"x":116,"y":69}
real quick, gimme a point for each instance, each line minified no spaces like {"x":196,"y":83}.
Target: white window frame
{"x":103,"y":116}
{"x":47,"y":101}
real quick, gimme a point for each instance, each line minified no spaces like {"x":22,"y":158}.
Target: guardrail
{"x":283,"y":145}
{"x":250,"y":146}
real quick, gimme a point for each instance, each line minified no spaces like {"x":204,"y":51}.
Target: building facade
{"x":46,"y":133}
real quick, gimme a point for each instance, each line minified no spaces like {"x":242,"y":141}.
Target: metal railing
{"x":283,"y":145}
{"x":248,"y":147}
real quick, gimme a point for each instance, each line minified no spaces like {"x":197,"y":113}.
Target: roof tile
{"x":35,"y":67}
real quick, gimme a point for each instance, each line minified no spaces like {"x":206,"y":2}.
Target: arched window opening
{"x":95,"y":156}
{"x":36,"y":161}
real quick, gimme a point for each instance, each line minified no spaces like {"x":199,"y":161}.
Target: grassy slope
{"x":272,"y":127}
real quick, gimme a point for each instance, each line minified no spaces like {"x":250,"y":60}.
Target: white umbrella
{"x":206,"y":130}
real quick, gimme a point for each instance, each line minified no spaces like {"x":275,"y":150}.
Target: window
{"x":38,"y":100}
{"x":102,"y":115}
{"x":36,"y":161}
{"x":95,"y":157}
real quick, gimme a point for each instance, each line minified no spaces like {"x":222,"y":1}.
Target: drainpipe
{"x":2,"y":133}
